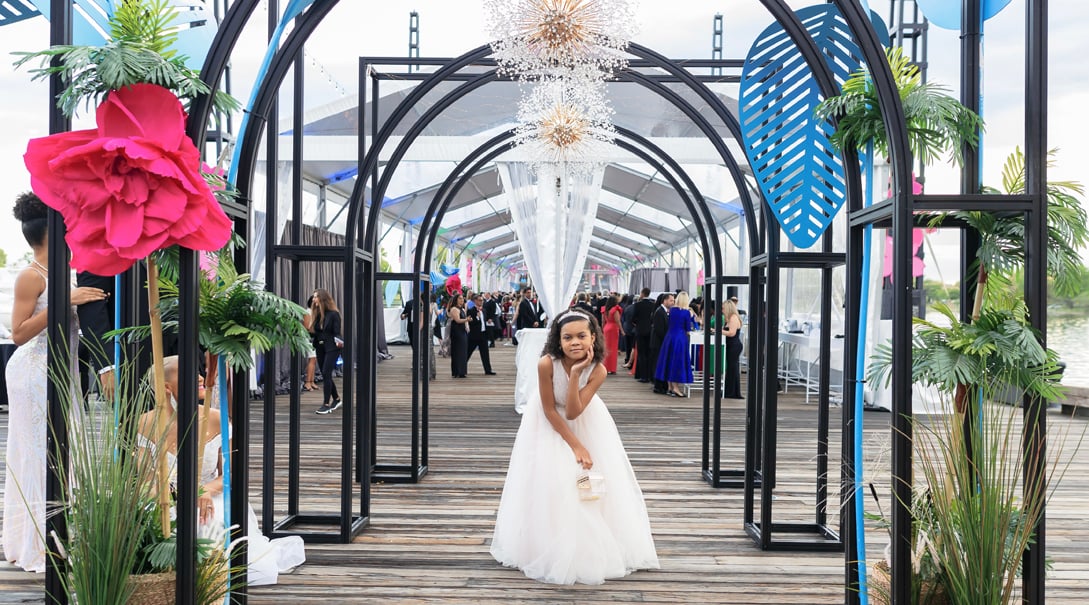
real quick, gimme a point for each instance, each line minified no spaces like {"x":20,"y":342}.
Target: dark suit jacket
{"x":526,"y":315}
{"x":659,"y":327}
{"x":491,"y":312}
{"x":588,"y":309}
{"x":476,"y":321}
{"x":642,"y":315}
{"x":96,"y":319}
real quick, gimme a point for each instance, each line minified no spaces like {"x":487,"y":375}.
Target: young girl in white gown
{"x":543,"y":526}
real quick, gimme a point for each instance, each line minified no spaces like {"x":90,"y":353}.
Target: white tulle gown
{"x":543,"y":528}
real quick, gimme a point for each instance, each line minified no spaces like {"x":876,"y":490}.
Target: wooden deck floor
{"x":428,"y":542}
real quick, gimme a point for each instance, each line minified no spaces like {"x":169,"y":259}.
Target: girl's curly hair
{"x":31,"y":212}
{"x":554,"y":348}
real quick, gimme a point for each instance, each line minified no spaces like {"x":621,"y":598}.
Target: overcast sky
{"x":677,"y":28}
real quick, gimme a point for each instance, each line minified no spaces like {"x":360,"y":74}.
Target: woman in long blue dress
{"x":675,"y":358}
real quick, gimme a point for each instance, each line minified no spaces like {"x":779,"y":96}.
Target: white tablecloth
{"x":530,"y":343}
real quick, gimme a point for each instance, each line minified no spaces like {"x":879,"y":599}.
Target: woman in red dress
{"x":612,"y":332}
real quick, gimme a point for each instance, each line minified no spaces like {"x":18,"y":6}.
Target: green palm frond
{"x":1000,"y":345}
{"x":937,"y":123}
{"x":1002,"y":245}
{"x":237,"y":314}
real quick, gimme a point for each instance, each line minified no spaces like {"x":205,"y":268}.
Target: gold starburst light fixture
{"x":535,"y":37}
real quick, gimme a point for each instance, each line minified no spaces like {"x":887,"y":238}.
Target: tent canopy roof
{"x":640,"y":215}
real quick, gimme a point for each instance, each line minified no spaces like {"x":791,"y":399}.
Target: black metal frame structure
{"x":712,"y":443}
{"x":767,"y":268}
{"x":360,"y":273}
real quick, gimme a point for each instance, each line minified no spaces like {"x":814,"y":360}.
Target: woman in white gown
{"x":24,"y":479}
{"x":266,"y":558}
{"x":543,"y":526}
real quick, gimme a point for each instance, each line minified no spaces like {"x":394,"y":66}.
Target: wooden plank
{"x":428,"y":543}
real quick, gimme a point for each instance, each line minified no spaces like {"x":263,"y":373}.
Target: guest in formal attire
{"x":674,"y":365}
{"x":27,"y":376}
{"x":642,"y":320}
{"x":95,"y":320}
{"x":530,"y":313}
{"x":327,"y":345}
{"x":492,"y":317}
{"x":612,"y":331}
{"x":627,"y":329}
{"x":478,"y":335}
{"x":311,"y":352}
{"x":659,"y":329}
{"x":266,"y":559}
{"x":543,"y":526}
{"x":731,"y":331}
{"x":582,"y":303}
{"x":457,"y":322}
{"x":409,"y":314}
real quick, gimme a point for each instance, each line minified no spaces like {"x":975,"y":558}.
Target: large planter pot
{"x":880,"y":588}
{"x":153,"y":589}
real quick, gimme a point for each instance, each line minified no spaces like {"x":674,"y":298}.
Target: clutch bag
{"x":591,"y":485}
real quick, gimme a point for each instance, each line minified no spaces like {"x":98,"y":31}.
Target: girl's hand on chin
{"x":587,"y":359}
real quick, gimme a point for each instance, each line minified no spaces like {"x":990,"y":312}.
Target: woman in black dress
{"x":458,"y":325}
{"x":327,"y":344}
{"x":731,"y":330}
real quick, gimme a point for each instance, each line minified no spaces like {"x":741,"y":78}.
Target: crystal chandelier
{"x":565,"y":120}
{"x":532,"y":38}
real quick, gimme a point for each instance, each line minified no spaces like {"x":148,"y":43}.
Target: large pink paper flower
{"x":129,"y":187}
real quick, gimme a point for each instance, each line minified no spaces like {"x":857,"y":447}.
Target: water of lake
{"x":1070,"y":339}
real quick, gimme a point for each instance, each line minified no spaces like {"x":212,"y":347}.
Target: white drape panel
{"x":553,"y":214}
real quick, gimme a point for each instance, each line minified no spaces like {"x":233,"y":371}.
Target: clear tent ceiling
{"x":640,"y":218}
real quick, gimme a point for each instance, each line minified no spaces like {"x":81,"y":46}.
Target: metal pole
{"x":188,"y":361}
{"x":1035,"y":432}
{"x":57,"y":334}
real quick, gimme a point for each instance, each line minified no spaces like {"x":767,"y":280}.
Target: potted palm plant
{"x":977,"y":490}
{"x":971,"y":470}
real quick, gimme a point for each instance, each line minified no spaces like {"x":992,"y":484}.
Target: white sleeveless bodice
{"x":560,"y":381}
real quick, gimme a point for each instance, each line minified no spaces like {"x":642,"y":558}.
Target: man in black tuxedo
{"x":478,"y":336}
{"x":642,"y":316}
{"x":95,"y":320}
{"x":491,"y":318}
{"x":659,"y":328}
{"x":530,"y":313}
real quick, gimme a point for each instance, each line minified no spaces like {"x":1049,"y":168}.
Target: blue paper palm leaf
{"x":16,"y":10}
{"x":799,"y":173}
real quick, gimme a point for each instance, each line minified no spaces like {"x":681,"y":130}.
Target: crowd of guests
{"x":473,"y":322}
{"x":644,"y":335}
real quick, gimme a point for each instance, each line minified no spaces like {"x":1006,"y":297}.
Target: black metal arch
{"x":428,"y":230}
{"x":766,"y":270}
{"x":899,"y":210}
{"x":368,"y":361}
{"x":370,"y":162}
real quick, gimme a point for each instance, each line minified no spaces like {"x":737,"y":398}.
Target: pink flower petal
{"x":143,"y":110}
{"x":131,"y":186}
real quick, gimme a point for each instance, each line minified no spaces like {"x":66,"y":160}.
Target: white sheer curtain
{"x":553,"y":213}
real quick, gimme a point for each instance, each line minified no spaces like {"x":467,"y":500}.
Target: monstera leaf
{"x":799,"y":172}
